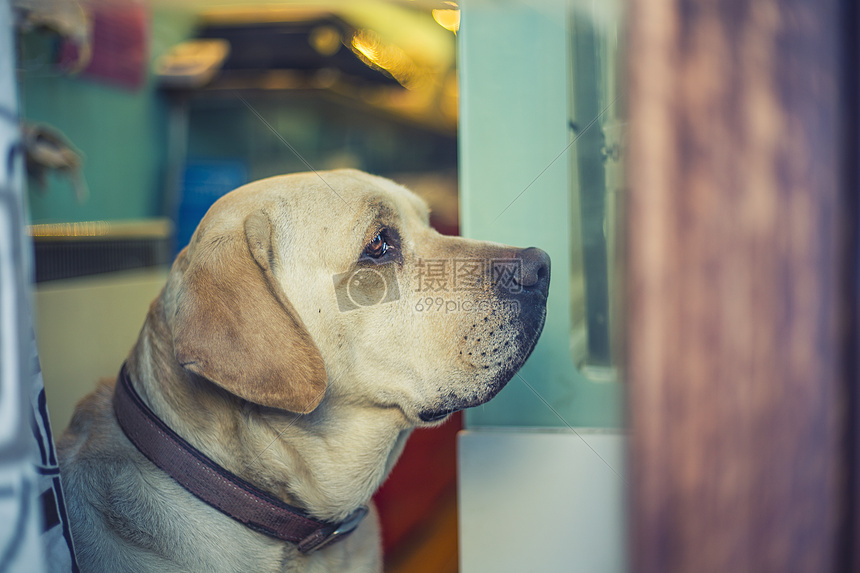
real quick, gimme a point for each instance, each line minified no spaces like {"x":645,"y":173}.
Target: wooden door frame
{"x":850,"y":539}
{"x":741,"y":260}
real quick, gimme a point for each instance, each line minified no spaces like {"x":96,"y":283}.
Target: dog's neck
{"x":328,"y":462}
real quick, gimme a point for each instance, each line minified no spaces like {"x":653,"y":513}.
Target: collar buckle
{"x":321,"y":538}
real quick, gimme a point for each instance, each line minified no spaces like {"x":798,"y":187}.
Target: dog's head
{"x":333,"y":284}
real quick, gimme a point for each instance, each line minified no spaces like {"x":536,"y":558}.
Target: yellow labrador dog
{"x":313,"y":321}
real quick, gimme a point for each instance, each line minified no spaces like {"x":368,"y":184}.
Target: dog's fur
{"x":247,"y":356}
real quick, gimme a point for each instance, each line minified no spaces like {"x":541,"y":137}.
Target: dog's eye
{"x":377,"y":247}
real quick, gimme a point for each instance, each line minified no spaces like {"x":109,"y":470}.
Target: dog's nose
{"x":535,"y":268}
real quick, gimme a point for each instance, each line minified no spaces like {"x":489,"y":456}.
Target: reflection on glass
{"x":596,"y":183}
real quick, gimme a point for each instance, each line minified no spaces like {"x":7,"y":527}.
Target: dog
{"x":311,"y":323}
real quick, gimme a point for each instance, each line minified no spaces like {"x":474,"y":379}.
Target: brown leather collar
{"x":214,"y":485}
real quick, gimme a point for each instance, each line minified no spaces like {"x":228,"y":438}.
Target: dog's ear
{"x":235,"y":326}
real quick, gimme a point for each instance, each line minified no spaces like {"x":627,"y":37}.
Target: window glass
{"x":596,"y":185}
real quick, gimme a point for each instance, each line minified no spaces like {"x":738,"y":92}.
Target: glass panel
{"x":596,"y":184}
{"x":540,"y":126}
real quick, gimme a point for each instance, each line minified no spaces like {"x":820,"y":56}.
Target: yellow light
{"x":448,"y":18}
{"x":368,"y":46}
{"x":326,"y":40}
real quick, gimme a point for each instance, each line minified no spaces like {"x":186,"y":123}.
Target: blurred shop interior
{"x":510,"y":122}
{"x":139,"y":115}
